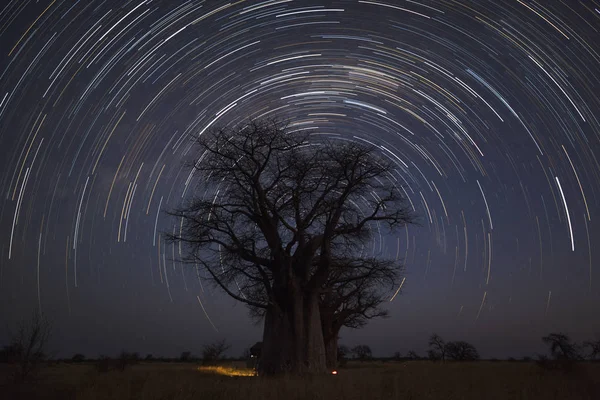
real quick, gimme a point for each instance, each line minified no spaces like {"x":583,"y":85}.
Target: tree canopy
{"x":281,"y":222}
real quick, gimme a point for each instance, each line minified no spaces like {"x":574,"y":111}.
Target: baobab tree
{"x":352,"y":296}
{"x":273,"y":210}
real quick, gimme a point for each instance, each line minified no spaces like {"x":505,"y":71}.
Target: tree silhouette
{"x":561,"y":347}
{"x":213,"y":352}
{"x":362,"y":352}
{"x":352,"y":296}
{"x":437,"y":348}
{"x":28,"y":346}
{"x":461,"y":351}
{"x":276,"y":207}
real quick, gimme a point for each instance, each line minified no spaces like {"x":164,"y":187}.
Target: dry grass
{"x":411,"y":380}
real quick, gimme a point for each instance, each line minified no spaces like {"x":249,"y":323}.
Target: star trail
{"x":489,"y":110}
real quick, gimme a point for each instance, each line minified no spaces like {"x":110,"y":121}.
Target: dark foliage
{"x":461,"y":351}
{"x":362,"y":352}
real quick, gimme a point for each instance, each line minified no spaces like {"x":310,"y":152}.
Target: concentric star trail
{"x":489,"y":110}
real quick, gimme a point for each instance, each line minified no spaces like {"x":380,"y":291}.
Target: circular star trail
{"x":488,"y":108}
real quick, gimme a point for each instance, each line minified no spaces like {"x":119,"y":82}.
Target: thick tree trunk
{"x":293,"y":337}
{"x":315,"y":358}
{"x":278,"y":352}
{"x":331,"y":345}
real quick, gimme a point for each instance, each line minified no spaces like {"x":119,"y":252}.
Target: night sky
{"x":489,"y":108}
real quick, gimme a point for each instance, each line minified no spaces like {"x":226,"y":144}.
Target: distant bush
{"x":211,"y":353}
{"x":461,"y":351}
{"x":362,"y":352}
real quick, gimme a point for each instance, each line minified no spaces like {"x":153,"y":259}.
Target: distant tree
{"x":126,"y":359}
{"x":437,"y":348}
{"x":149,"y":357}
{"x":397,"y":356}
{"x":362,"y":352}
{"x":561,"y":347}
{"x":593,"y":349}
{"x":78,"y":357}
{"x":461,"y":351}
{"x":411,"y":355}
{"x":28,"y":346}
{"x":185,"y":356}
{"x":211,"y":353}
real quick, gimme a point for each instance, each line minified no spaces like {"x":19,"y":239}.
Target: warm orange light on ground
{"x":333,"y":372}
{"x":228,"y":371}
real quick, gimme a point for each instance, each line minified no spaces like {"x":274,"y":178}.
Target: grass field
{"x":369,"y":380}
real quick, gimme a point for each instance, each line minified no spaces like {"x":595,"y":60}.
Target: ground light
{"x":227,"y":371}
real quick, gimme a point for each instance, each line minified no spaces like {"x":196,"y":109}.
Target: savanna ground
{"x":368,"y":380}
